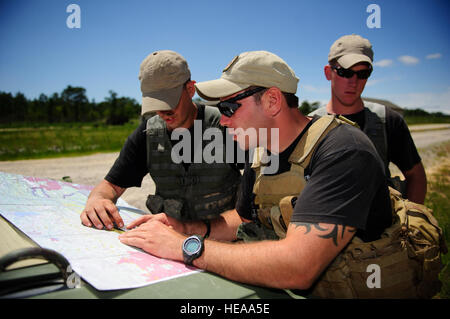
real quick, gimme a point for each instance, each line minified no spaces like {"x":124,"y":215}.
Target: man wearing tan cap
{"x":186,"y":190}
{"x":329,"y":186}
{"x":350,"y":65}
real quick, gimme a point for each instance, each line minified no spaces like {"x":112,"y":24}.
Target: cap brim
{"x":164,"y":100}
{"x":349,"y":60}
{"x":215,"y":89}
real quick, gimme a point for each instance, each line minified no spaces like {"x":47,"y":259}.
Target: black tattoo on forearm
{"x":333,"y":233}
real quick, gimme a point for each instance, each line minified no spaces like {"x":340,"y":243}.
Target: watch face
{"x":192,"y":245}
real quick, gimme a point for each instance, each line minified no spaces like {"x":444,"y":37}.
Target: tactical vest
{"x":282,"y":188}
{"x":374,"y":127}
{"x":408,"y":253}
{"x":203,"y":191}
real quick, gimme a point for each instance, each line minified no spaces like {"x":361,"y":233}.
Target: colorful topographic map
{"x":48,"y":212}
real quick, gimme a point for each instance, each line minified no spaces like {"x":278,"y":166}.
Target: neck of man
{"x":335,"y":106}
{"x":290,"y":125}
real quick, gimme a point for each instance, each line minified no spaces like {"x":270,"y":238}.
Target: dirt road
{"x":90,"y":170}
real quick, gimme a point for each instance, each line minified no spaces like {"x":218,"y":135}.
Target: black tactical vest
{"x":202,"y":191}
{"x":374,"y":127}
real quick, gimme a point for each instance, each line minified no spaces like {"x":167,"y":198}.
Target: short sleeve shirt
{"x":346,"y":184}
{"x":401,"y":149}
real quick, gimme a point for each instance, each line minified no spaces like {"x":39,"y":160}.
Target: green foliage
{"x":438,"y":199}
{"x":419,"y":116}
{"x":307,"y":107}
{"x":72,"y":105}
{"x":62,"y":140}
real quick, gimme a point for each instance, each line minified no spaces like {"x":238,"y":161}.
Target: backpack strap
{"x":312,"y":137}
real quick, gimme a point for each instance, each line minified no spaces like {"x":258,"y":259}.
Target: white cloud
{"x":429,"y":101}
{"x":374,"y":81}
{"x":384,"y":63}
{"x":434,"y":56}
{"x":311,"y":88}
{"x":408,"y":60}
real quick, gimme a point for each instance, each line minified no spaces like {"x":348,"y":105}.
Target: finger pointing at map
{"x":100,"y":210}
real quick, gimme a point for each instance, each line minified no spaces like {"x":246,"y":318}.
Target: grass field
{"x":411,"y":120}
{"x":62,"y":140}
{"x":438,"y":199}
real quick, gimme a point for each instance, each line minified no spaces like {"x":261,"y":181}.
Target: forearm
{"x":294,"y":262}
{"x":222,"y":228}
{"x":265,"y":263}
{"x":416,"y":184}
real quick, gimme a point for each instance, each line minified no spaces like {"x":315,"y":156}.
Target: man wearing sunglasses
{"x":190,"y":190}
{"x":350,"y":65}
{"x":340,"y":193}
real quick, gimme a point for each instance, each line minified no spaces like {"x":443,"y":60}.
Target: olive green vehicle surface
{"x":44,"y":280}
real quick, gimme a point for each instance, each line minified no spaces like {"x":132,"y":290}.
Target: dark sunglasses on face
{"x":348,"y":73}
{"x":228,"y":107}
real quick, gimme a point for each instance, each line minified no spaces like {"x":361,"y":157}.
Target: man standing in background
{"x":350,"y":65}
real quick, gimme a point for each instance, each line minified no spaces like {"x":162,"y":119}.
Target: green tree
{"x":75,"y":100}
{"x":120,"y":110}
{"x":6,"y":107}
{"x":20,"y":106}
{"x":307,"y":107}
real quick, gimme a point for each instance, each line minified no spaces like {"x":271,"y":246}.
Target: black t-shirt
{"x":346,"y":184}
{"x":401,"y":149}
{"x":131,"y":166}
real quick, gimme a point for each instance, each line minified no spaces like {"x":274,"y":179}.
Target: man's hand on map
{"x":162,"y":217}
{"x":156,"y":238}
{"x":100,"y":210}
{"x":101,"y":213}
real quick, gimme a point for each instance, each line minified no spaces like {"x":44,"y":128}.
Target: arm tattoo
{"x":333,"y":233}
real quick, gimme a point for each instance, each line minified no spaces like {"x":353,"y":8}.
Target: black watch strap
{"x":208,"y":228}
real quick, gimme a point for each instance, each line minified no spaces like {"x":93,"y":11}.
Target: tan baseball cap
{"x":351,"y":49}
{"x":162,"y":75}
{"x":254,"y":68}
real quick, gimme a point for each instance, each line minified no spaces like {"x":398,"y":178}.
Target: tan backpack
{"x":408,"y":257}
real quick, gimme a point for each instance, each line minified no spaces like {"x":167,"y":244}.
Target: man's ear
{"x":327,"y":71}
{"x":272,"y":98}
{"x":190,"y":88}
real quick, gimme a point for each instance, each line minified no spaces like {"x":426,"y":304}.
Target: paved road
{"x":423,"y":139}
{"x":90,"y":170}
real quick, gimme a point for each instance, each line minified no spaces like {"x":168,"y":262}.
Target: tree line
{"x":71,"y":105}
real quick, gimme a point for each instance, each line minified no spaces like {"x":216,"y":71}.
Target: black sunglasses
{"x":348,"y":73}
{"x":228,"y":107}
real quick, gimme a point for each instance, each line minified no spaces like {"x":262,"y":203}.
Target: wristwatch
{"x":192,"y":248}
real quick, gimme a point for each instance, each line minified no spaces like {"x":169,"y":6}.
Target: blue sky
{"x":40,"y":54}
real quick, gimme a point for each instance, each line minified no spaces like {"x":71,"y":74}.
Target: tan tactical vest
{"x":408,"y":253}
{"x":275,"y":192}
